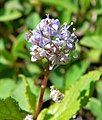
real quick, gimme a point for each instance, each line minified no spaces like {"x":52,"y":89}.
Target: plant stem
{"x":43,"y":86}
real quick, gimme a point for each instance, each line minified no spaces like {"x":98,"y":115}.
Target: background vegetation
{"x":77,"y":80}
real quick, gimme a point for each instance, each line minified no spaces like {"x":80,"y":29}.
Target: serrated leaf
{"x":29,"y":96}
{"x":75,"y":98}
{"x":92,"y":42}
{"x":75,"y":72}
{"x":9,"y":110}
{"x":18,"y":95}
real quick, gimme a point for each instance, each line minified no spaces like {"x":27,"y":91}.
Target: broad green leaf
{"x":18,"y":47}
{"x":8,"y":56}
{"x":99,"y":24}
{"x":6,"y":87}
{"x":66,"y":16}
{"x":32,"y":20}
{"x":33,"y":68}
{"x":85,"y":4}
{"x":20,"y":91}
{"x":75,"y":72}
{"x":57,"y":79}
{"x":7,"y":15}
{"x":94,"y":55}
{"x":92,"y":42}
{"x":95,"y":106}
{"x":42,"y":114}
{"x":2,"y":45}
{"x":29,"y":96}
{"x":3,"y":66}
{"x":9,"y":110}
{"x":75,"y":98}
{"x":13,"y":4}
{"x":64,"y":4}
{"x":98,"y":11}
{"x":19,"y":95}
{"x":83,"y":29}
{"x":4,"y":73}
{"x":19,"y":43}
{"x":99,"y":90}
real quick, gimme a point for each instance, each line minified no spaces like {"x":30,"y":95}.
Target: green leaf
{"x":66,"y":16}
{"x":18,"y":47}
{"x":64,"y":4}
{"x":2,"y":45}
{"x":75,"y":98}
{"x":19,"y":43}
{"x":29,"y":96}
{"x":57,"y":79}
{"x":19,"y":95}
{"x":85,"y":4}
{"x":97,"y":11}
{"x":99,"y":90}
{"x":95,"y":106}
{"x":33,"y":68}
{"x":42,"y":115}
{"x":35,"y":18}
{"x":7,"y":15}
{"x":92,"y":42}
{"x":9,"y":110}
{"x":94,"y":55}
{"x":8,"y":55}
{"x":83,"y":29}
{"x":6,"y":87}
{"x":20,"y":91}
{"x":13,"y":4}
{"x":75,"y":72}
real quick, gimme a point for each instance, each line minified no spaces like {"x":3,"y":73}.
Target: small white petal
{"x":55,"y":26}
{"x":33,"y":59}
{"x":51,"y":87}
{"x":51,"y":67}
{"x":28,"y":117}
{"x":47,"y":46}
{"x":54,"y":49}
{"x":32,"y":53}
{"x":62,"y":59}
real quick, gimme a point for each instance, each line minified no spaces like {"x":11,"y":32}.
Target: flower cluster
{"x":56,"y":95}
{"x":52,"y":41}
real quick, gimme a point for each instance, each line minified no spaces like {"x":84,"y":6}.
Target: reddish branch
{"x":43,"y":86}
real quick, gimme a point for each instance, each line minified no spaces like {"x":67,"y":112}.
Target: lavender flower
{"x":52,"y":41}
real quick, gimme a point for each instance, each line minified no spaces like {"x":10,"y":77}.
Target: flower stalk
{"x":43,"y":86}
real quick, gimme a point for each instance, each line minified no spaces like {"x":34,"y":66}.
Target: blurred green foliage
{"x":19,"y":16}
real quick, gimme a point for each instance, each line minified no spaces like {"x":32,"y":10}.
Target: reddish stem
{"x":43,"y":86}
